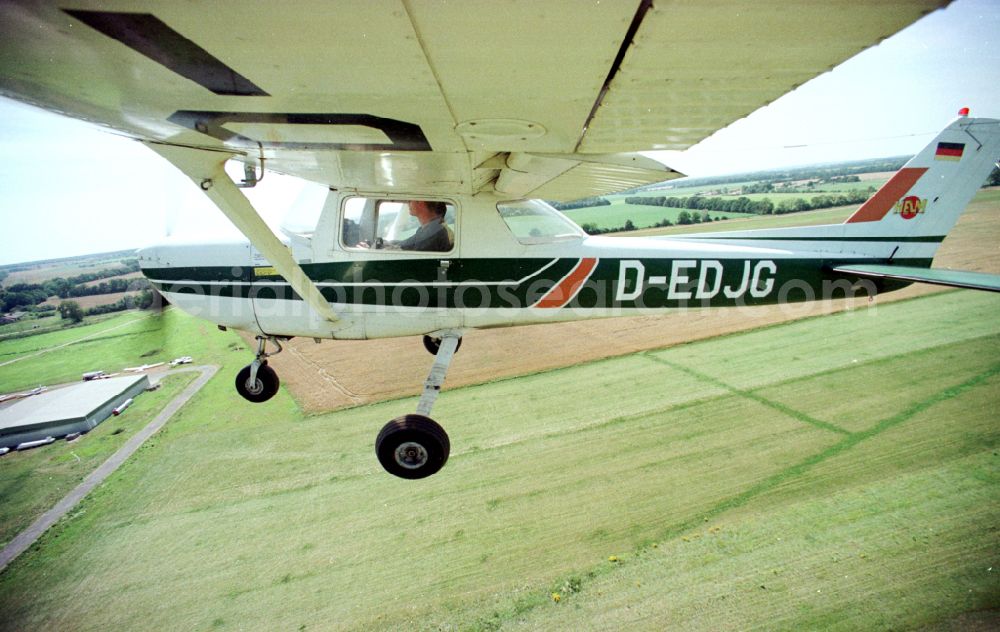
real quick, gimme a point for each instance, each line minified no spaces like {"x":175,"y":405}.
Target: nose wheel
{"x":260,"y":387}
{"x":257,"y":382}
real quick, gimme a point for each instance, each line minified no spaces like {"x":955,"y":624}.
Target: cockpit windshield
{"x":304,"y":213}
{"x":535,"y":222}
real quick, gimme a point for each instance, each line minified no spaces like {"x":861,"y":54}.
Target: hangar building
{"x":62,"y":411}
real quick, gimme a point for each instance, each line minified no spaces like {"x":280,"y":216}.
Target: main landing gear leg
{"x":415,"y":446}
{"x":258,"y":382}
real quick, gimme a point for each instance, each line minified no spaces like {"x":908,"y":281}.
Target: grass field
{"x":93,"y":300}
{"x":39,"y":272}
{"x":31,"y":482}
{"x":644,"y":217}
{"x":832,"y":473}
{"x":27,"y":325}
{"x":615,"y":215}
{"x":129,"y":339}
{"x":749,"y":222}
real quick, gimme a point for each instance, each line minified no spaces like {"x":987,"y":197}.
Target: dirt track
{"x":335,"y":374}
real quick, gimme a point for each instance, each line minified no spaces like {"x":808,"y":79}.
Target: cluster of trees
{"x":740,"y":204}
{"x":785,"y":186}
{"x":831,"y":173}
{"x":28,"y":295}
{"x":21,"y":296}
{"x":581,"y":203}
{"x":763,"y":206}
{"x":71,"y":310}
{"x":77,"y":285}
{"x":683,"y":218}
{"x":593,"y":229}
{"x":830,"y":200}
{"x":110,"y":286}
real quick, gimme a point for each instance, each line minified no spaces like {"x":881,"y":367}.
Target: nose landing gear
{"x":257,"y":382}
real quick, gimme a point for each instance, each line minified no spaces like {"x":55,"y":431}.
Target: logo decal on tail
{"x":909,"y":207}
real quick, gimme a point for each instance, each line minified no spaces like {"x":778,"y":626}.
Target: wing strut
{"x":207,"y":169}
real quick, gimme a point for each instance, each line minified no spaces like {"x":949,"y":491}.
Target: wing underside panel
{"x":408,"y":94}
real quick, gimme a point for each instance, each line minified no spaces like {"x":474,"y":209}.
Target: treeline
{"x":142,"y":300}
{"x":763,"y":206}
{"x":27,"y":295}
{"x":112,"y":286}
{"x":581,"y":203}
{"x":819,"y":172}
{"x":148,"y":298}
{"x":80,"y":261}
{"x":683,"y":218}
{"x":788,"y":186}
{"x":740,"y":204}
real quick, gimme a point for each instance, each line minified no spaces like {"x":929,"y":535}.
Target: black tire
{"x":412,"y":447}
{"x":262,"y":389}
{"x":434,"y":344}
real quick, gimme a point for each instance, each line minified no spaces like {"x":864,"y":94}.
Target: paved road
{"x":26,"y":538}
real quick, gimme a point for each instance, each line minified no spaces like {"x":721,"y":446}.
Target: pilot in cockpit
{"x":433,"y":235}
{"x":433,"y":232}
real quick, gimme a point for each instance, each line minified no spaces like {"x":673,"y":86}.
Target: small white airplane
{"x":434,"y":129}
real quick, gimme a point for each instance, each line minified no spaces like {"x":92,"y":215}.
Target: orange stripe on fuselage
{"x":569,"y":286}
{"x":879,"y":204}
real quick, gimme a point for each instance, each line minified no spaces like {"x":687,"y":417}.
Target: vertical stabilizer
{"x":926,"y":196}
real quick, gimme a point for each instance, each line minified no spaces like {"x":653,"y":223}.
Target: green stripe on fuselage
{"x":517,"y":283}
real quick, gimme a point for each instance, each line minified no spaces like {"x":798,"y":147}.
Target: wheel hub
{"x":411,"y":455}
{"x":255,"y":387}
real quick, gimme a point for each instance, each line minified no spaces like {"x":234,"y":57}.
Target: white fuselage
{"x":494,"y":277}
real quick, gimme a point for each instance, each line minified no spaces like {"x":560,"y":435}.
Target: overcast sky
{"x":67,"y":188}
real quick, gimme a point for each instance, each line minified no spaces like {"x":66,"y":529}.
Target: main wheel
{"x":412,"y":446}
{"x":261,"y":389}
{"x":434,"y":344}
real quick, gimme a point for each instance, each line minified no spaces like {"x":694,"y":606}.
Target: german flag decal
{"x":949,"y":151}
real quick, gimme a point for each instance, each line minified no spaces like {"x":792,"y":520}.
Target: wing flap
{"x":935,"y":276}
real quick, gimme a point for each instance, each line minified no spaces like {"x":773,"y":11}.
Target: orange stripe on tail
{"x":565,"y":290}
{"x":879,"y":204}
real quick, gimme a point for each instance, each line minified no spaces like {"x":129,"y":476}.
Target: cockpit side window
{"x":401,"y":225}
{"x":535,"y":222}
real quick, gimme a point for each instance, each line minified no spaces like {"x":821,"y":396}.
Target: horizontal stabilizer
{"x":951,"y":278}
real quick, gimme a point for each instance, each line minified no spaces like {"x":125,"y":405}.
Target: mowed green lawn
{"x":642,"y":216}
{"x":832,"y":473}
{"x":129,"y":339}
{"x":31,"y":482}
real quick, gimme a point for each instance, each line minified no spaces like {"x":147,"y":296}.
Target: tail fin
{"x":922,"y":202}
{"x":896,"y":233}
{"x":926,"y":196}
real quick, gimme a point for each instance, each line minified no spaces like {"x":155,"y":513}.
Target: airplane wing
{"x":526,"y":98}
{"x":521,"y":98}
{"x":936,"y":276}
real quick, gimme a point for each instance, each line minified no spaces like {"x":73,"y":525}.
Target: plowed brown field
{"x":336,"y":374}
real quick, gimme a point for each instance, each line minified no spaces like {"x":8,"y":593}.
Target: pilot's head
{"x":426,"y":211}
